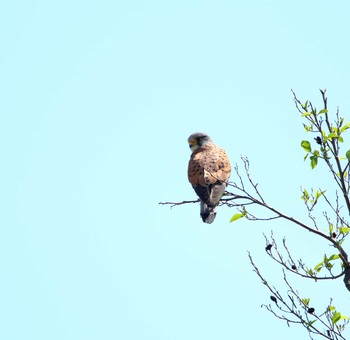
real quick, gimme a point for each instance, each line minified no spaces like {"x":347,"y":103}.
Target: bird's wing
{"x":208,"y":171}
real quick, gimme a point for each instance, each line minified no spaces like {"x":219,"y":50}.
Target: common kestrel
{"x":208,"y":171}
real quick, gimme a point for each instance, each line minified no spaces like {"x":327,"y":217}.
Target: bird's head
{"x":197,"y":140}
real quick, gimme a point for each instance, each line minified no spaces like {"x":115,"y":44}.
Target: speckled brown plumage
{"x":208,"y":171}
{"x":208,"y":165}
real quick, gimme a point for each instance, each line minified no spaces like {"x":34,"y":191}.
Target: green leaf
{"x":323,"y":111}
{"x":333,"y":135}
{"x":306,"y":145}
{"x":306,"y":114}
{"x":319,"y":266}
{"x":236,"y":217}
{"x":318,"y":194}
{"x":339,"y":243}
{"x":329,"y":265}
{"x":345,"y":127}
{"x":305,"y":197}
{"x":310,"y":272}
{"x":331,"y":308}
{"x":305,"y":301}
{"x":348,"y":155}
{"x":310,"y":323}
{"x":313,"y":161}
{"x":335,"y":317}
{"x":344,"y":230}
{"x":334,"y":257}
{"x":340,"y":139}
{"x":307,"y":127}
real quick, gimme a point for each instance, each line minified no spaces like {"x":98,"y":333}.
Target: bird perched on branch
{"x":208,"y":171}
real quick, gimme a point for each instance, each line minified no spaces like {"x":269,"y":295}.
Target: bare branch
{"x":291,"y":265}
{"x":296,"y":310}
{"x":174,"y":204}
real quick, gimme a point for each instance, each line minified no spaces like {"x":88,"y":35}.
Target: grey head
{"x":197,"y":140}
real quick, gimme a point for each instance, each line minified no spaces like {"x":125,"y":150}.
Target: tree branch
{"x":174,"y":204}
{"x":291,"y":311}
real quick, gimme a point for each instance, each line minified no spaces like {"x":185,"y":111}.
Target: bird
{"x":209,"y":170}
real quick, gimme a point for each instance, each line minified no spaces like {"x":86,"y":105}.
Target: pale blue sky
{"x":98,"y":99}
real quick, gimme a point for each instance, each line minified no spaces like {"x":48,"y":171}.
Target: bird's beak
{"x":191,"y":143}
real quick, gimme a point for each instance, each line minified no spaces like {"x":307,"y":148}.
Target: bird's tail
{"x":208,"y":213}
